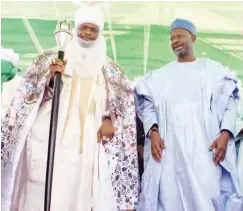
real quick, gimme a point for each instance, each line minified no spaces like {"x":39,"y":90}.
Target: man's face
{"x":88,"y":31}
{"x":182,"y":42}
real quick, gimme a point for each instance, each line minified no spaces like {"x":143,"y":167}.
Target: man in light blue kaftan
{"x":188,"y":109}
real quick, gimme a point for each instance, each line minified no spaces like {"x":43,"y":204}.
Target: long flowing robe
{"x":86,"y":173}
{"x":191,"y":103}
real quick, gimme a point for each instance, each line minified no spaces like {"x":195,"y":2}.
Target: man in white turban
{"x":96,"y":165}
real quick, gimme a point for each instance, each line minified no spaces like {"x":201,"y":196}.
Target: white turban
{"x":87,"y":57}
{"x":90,"y":14}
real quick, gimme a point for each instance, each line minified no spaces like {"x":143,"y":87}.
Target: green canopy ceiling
{"x":139,"y":38}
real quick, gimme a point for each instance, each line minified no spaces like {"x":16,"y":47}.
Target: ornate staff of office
{"x":63,"y":34}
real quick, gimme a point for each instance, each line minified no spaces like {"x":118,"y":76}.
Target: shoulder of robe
{"x":45,"y":57}
{"x":112,"y":65}
{"x":40,"y":64}
{"x":115,"y":75}
{"x":219,"y":73}
{"x":214,"y":64}
{"x":215,"y":67}
{"x":159,"y":72}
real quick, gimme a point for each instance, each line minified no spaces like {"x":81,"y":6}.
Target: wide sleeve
{"x":225,"y":98}
{"x":229,"y":119}
{"x":28,"y":97}
{"x":145,"y":106}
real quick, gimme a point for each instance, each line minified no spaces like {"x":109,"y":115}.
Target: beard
{"x":182,"y":53}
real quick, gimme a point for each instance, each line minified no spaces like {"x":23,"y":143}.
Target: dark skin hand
{"x":57,"y":66}
{"x":106,"y":130}
{"x":220,"y":147}
{"x":157,"y":146}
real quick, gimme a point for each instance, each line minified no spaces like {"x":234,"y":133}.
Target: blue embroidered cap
{"x":185,"y":24}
